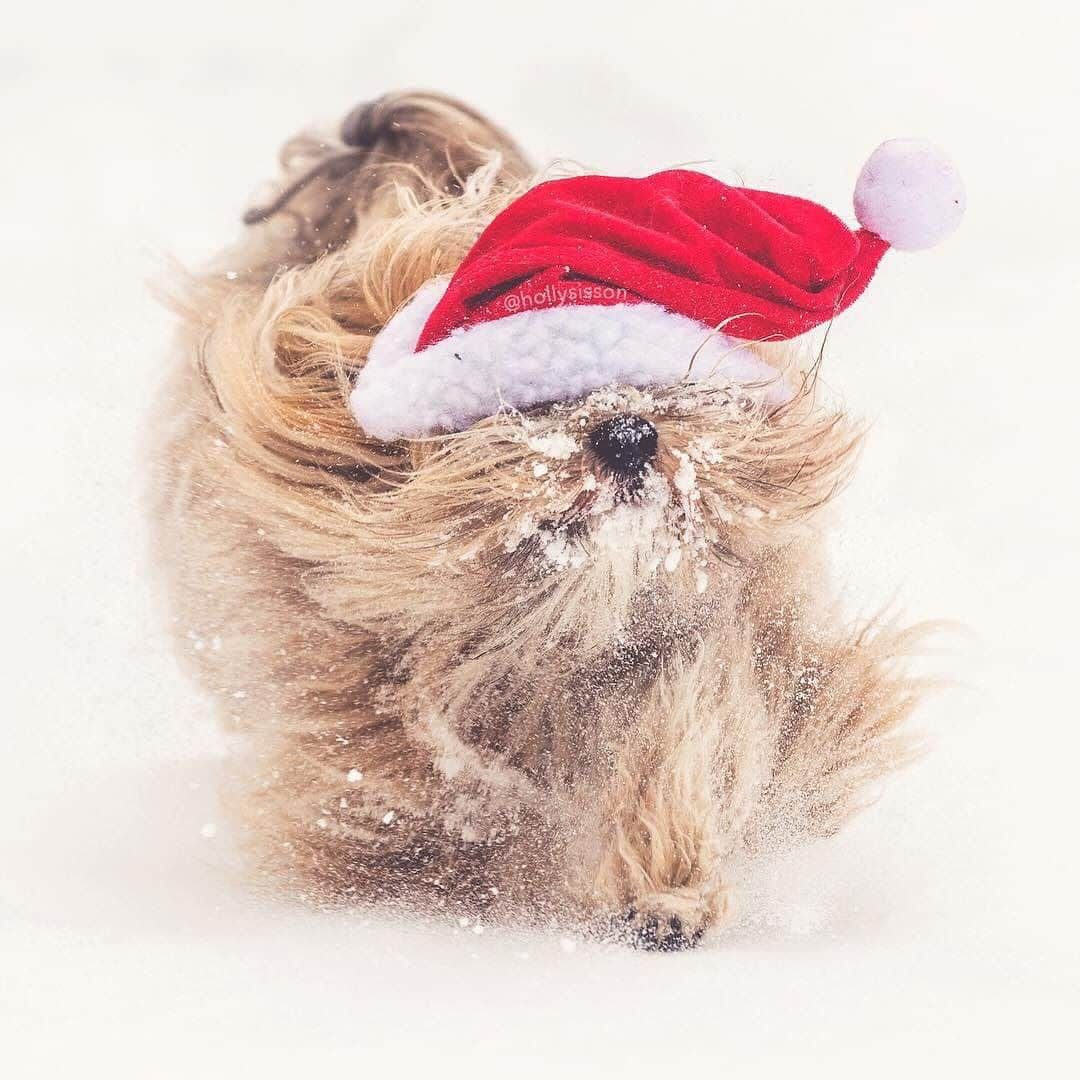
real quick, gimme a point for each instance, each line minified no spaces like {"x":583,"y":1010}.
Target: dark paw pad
{"x":660,"y":933}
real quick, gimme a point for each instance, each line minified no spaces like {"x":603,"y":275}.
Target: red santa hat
{"x":599,"y":280}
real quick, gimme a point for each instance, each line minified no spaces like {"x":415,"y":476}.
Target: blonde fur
{"x":466,"y":671}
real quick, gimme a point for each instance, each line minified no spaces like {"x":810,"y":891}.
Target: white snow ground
{"x":939,"y":933}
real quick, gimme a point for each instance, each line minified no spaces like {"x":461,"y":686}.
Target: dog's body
{"x":479,"y":669}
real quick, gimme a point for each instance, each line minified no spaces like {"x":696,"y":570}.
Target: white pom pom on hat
{"x":910,"y":194}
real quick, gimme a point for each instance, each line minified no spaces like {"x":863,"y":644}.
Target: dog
{"x":574,"y":658}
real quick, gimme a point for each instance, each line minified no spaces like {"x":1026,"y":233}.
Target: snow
{"x":561,"y":551}
{"x":685,"y":475}
{"x":554,"y":444}
{"x":938,"y":933}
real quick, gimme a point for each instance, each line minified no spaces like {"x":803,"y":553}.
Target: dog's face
{"x":565,"y":520}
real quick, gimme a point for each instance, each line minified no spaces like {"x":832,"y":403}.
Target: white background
{"x":937,"y":934}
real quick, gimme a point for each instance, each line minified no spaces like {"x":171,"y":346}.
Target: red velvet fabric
{"x":774,"y":265}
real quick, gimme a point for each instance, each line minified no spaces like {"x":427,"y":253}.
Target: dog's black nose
{"x":625,"y":444}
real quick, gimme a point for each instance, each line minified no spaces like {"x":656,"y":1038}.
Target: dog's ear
{"x":801,"y":452}
{"x":415,"y":142}
{"x":777,"y":469}
{"x":282,"y":325}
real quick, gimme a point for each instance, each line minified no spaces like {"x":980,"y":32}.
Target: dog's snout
{"x":626,"y":444}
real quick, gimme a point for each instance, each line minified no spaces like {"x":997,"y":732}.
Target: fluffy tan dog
{"x":489,"y":668}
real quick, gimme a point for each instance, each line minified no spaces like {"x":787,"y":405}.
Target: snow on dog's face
{"x":560,"y":519}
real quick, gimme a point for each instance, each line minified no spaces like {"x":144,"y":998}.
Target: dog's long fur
{"x":466,"y":671}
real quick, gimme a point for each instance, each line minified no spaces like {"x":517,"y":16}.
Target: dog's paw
{"x":660,"y":931}
{"x":673,"y":921}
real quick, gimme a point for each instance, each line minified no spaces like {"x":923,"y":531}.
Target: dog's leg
{"x":683,"y":778}
{"x":841,"y":706}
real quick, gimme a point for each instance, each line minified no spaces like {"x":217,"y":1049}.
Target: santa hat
{"x":598,"y":280}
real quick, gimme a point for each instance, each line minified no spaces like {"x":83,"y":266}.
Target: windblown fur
{"x":465,"y":671}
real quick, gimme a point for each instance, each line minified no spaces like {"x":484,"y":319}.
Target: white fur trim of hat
{"x":534,"y":357}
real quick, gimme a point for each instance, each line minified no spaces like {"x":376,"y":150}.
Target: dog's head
{"x":439,"y":460}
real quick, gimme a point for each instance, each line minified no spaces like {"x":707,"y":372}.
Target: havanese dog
{"x":490,"y":507}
